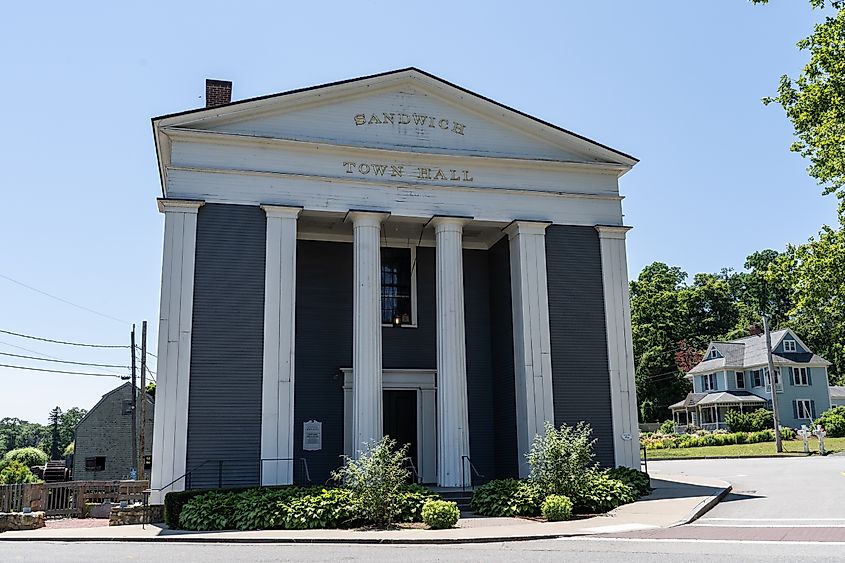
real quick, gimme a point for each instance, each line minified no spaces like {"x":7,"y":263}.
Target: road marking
{"x":773,"y":519}
{"x":766,"y":525}
{"x":616,"y":528}
{"x":669,"y":540}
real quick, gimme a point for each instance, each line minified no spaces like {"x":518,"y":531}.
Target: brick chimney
{"x":217,"y":93}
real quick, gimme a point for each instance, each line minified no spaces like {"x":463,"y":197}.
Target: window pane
{"x":395,"y":285}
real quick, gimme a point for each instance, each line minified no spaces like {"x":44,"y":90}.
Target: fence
{"x":68,"y":499}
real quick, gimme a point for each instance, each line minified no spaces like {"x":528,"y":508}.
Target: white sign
{"x":312,"y":436}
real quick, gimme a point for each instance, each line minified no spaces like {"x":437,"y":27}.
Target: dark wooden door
{"x":400,"y":420}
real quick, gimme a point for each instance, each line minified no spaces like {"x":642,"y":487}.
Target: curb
{"x":703,"y":507}
{"x":766,"y":456}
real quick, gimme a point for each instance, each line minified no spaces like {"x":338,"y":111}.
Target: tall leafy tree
{"x":55,"y":438}
{"x":815,"y":101}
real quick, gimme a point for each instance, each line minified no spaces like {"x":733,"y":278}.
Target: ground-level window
{"x":397,"y":286}
{"x":740,"y":380}
{"x":97,"y":463}
{"x":804,"y":409}
{"x":800,"y":376}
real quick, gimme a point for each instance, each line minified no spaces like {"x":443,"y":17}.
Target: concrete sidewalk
{"x":675,"y":500}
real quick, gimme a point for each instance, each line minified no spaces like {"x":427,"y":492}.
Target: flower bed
{"x":659,"y":441}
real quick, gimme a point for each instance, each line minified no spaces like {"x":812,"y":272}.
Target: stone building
{"x":103,"y":438}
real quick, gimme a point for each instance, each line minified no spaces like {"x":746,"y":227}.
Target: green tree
{"x":55,"y":416}
{"x":815,"y":271}
{"x":67,"y":425}
{"x":815,"y":101}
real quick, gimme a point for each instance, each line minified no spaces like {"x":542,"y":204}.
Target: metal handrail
{"x":417,"y":479}
{"x":291,"y":459}
{"x":472,"y":469}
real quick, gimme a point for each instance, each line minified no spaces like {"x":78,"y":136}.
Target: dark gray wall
{"x":501,"y":354}
{"x":580,"y":374}
{"x":224,"y":406}
{"x":323,"y":346}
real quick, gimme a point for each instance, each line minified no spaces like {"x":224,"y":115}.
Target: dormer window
{"x":789,"y":346}
{"x":713,"y":354}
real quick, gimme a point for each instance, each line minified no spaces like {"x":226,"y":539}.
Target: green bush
{"x":16,"y":472}
{"x":668,"y":427}
{"x":411,"y":500}
{"x":507,"y":497}
{"x":634,"y":478}
{"x":833,"y":421}
{"x":561,"y":459}
{"x":376,"y":478}
{"x":330,"y":508}
{"x":175,"y":501}
{"x":754,"y":421}
{"x":603,"y":494}
{"x":29,"y":457}
{"x":556,"y":508}
{"x":440,"y":514}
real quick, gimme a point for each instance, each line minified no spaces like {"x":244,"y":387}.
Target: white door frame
{"x":424,"y":382}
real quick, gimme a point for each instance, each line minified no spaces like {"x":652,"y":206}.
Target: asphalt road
{"x":576,"y":550}
{"x":785,"y":499}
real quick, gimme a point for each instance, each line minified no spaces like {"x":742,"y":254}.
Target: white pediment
{"x":406,"y":110}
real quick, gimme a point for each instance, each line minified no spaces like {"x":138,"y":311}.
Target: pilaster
{"x":170,"y":427}
{"x":531,"y":333}
{"x":277,"y":394}
{"x":623,"y":391}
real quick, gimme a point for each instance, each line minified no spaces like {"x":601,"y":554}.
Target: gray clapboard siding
{"x":502,"y":369}
{"x":580,"y":373}
{"x":224,"y":405}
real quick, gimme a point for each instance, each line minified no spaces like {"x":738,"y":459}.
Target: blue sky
{"x":676,"y":84}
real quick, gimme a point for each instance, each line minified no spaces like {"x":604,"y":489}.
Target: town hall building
{"x":388,"y":255}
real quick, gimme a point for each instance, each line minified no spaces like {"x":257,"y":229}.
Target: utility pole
{"x":773,"y":380}
{"x":143,"y":393}
{"x":133,"y":423}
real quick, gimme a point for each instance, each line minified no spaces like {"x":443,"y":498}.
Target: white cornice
{"x":179,"y":205}
{"x":217,"y":137}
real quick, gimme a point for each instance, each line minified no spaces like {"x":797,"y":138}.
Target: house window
{"x":804,"y":409}
{"x":740,"y":380}
{"x":95,"y":463}
{"x":713,"y":354}
{"x":758,"y":377}
{"x":800,"y":376}
{"x":768,"y":380}
{"x":789,"y":346}
{"x":708,"y":382}
{"x":397,"y":286}
{"x":127,"y":406}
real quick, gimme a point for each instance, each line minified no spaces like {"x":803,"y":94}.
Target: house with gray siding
{"x":387,"y":255}
{"x":103,"y":438}
{"x":734,"y":375}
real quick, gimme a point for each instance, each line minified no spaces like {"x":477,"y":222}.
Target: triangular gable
{"x":406,"y":109}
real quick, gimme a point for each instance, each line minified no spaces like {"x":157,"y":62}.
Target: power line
{"x":63,"y":341}
{"x":62,"y":371}
{"x":63,"y":300}
{"x":29,"y":350}
{"x":148,"y":352}
{"x":63,"y":361}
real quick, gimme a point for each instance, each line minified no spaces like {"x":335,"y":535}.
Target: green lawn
{"x":790,"y":448}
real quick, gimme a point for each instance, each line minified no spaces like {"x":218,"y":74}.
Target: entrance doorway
{"x":400,"y":420}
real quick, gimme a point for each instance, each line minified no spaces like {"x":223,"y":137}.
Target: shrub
{"x":668,"y":427}
{"x":440,"y":514}
{"x":507,"y":497}
{"x":411,"y":500}
{"x":833,"y":421}
{"x":376,"y":478}
{"x":561,"y":459}
{"x":29,"y":457}
{"x":603,"y":494}
{"x":634,"y":478}
{"x":330,"y":508}
{"x":16,"y":472}
{"x":556,"y":508}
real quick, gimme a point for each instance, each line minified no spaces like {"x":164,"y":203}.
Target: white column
{"x":366,"y":323}
{"x":452,"y":417}
{"x":170,"y":428}
{"x":531,"y":335}
{"x":277,"y":393}
{"x":620,"y":350}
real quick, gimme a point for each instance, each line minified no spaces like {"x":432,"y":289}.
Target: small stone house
{"x":103,"y":439}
